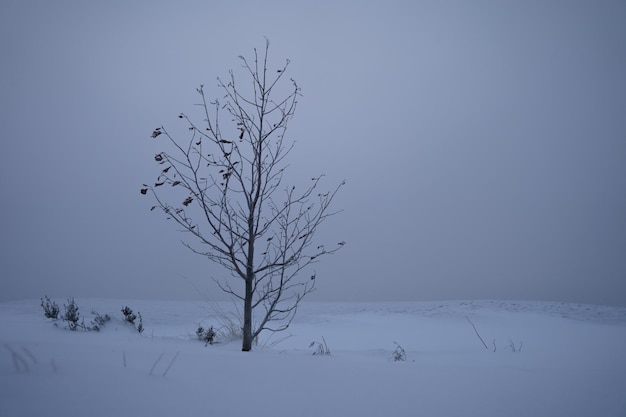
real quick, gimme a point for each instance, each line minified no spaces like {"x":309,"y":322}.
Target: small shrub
{"x":128,"y":315}
{"x":50,"y":308}
{"x":140,"y":328}
{"x":206,"y":335}
{"x":71,"y":315}
{"x":99,"y":321}
{"x":321,"y":349}
{"x":399,"y":355}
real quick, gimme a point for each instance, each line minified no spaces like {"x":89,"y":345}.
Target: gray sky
{"x":483,"y":143}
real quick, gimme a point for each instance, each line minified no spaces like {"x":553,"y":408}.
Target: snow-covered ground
{"x":572,"y":362}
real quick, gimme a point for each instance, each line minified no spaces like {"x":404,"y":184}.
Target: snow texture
{"x":550,"y":359}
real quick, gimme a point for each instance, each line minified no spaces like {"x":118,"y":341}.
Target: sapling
{"x":206,"y":335}
{"x":71,"y":315}
{"x":50,"y":308}
{"x":128,"y":315}
{"x":227,"y":192}
{"x":140,"y":327}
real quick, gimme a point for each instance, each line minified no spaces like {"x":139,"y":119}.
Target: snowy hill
{"x":550,"y":359}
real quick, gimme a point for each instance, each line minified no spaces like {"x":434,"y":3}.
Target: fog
{"x":483,"y":143}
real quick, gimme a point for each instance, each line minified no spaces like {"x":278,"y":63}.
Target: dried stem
{"x":477,"y":334}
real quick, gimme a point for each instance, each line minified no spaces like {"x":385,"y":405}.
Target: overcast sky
{"x":483,"y":143}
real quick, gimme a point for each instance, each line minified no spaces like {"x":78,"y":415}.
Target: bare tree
{"x":223,"y":185}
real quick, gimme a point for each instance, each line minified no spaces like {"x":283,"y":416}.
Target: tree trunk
{"x":247,"y":317}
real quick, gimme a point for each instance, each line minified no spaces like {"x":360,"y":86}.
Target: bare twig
{"x":513,"y":347}
{"x":321,"y":349}
{"x":19,"y":362}
{"x":170,"y":364}
{"x":154,"y":365}
{"x":477,"y":334}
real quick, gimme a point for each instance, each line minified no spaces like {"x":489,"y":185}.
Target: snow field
{"x":572,"y":362}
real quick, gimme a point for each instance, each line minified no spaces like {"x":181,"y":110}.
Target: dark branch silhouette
{"x":227,"y":192}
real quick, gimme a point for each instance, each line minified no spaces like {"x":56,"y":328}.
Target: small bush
{"x":128,"y":315}
{"x":399,"y":355}
{"x":140,"y":328}
{"x":206,"y":335}
{"x":74,"y":321}
{"x":50,"y":308}
{"x":71,"y":315}
{"x":99,"y":321}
